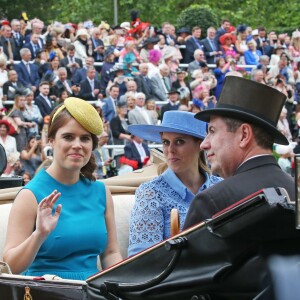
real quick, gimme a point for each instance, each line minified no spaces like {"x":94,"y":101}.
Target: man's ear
{"x":246,"y":134}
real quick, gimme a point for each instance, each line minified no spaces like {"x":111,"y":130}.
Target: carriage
{"x":248,"y":251}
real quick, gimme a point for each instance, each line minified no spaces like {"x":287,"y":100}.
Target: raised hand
{"x":46,"y":221}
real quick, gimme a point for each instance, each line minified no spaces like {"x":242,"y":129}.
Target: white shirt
{"x":47,"y":100}
{"x":141,"y":150}
{"x":9,"y":145}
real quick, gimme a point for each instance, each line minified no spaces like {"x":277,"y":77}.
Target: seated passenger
{"x":63,"y":219}
{"x":184,"y":175}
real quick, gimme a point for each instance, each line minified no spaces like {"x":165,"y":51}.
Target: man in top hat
{"x":173,"y":104}
{"x":241,"y":133}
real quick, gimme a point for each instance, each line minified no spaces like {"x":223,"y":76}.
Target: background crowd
{"x":132,"y":73}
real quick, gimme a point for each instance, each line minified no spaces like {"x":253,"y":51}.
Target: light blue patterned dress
{"x":154,"y":200}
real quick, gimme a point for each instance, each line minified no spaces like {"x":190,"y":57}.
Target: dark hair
{"x":224,"y":21}
{"x":218,"y":60}
{"x":262,"y":138}
{"x":195,"y":28}
{"x":113,"y":86}
{"x":27,"y":147}
{"x":203,"y":168}
{"x":60,"y":120}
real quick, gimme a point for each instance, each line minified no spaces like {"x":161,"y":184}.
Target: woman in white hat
{"x":184,"y":175}
{"x":63,"y":219}
{"x":82,"y":44}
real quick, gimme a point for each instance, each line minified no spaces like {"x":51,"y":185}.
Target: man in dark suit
{"x":18,"y":37}
{"x":80,"y":74}
{"x":225,"y":26}
{"x":97,"y":47}
{"x":143,"y":82}
{"x":109,"y":103}
{"x":7,"y":42}
{"x":192,"y":44}
{"x":70,"y":62}
{"x":138,"y":151}
{"x":90,"y":87}
{"x":209,"y":47}
{"x":12,"y":86}
{"x":63,"y":84}
{"x":173,"y":102}
{"x":43,"y":102}
{"x":241,"y":133}
{"x":27,"y":72}
{"x":33,"y":45}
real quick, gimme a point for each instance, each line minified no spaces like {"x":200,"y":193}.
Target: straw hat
{"x":84,"y":113}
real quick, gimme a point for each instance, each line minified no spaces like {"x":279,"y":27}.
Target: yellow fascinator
{"x":84,"y":113}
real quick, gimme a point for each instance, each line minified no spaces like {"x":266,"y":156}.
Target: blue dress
{"x":150,"y":217}
{"x":71,"y":249}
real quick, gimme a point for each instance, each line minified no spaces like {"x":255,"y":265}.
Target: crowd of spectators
{"x":133,"y":73}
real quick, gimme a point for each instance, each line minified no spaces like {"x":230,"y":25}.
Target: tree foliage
{"x":273,"y":14}
{"x":197,"y":15}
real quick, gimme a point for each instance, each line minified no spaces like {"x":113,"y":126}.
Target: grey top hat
{"x":251,"y":102}
{"x":173,"y":121}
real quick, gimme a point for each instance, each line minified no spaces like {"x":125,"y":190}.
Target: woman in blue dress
{"x":63,"y":219}
{"x":184,"y":175}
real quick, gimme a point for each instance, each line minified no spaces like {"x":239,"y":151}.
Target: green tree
{"x":197,"y":15}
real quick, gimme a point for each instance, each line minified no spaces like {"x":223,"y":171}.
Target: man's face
{"x":165,"y":71}
{"x":62,"y":75}
{"x":13,"y":76}
{"x":211,"y":34}
{"x":166,"y":29}
{"x":226,"y":26}
{"x":27,"y":56}
{"x":114,"y":93}
{"x":16,"y":26}
{"x":259,"y":76}
{"x":131,"y":86}
{"x":7,"y":32}
{"x":144,"y":70}
{"x":200,"y":56}
{"x":140,"y":101}
{"x":262,"y":33}
{"x":197,"y":33}
{"x":35,"y":38}
{"x":89,"y":61}
{"x":173,"y":97}
{"x":37,"y":28}
{"x":221,"y":147}
{"x":91,"y":74}
{"x":282,"y":63}
{"x":71,"y":52}
{"x":44,"y":89}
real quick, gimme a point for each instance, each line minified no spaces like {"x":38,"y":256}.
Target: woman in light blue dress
{"x":184,"y":175}
{"x":63,"y":219}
